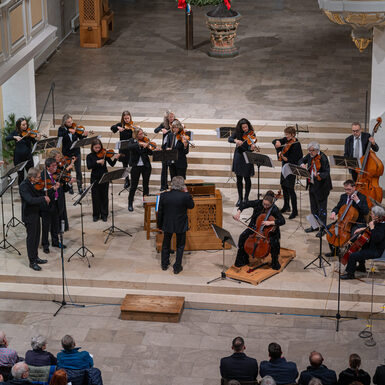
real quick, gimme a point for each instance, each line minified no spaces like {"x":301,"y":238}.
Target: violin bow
{"x":254,"y":231}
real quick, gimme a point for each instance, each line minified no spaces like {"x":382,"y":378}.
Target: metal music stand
{"x":224,"y":133}
{"x":5,"y":185}
{"x":83,"y":250}
{"x":341,"y":161}
{"x":315,"y":222}
{"x":47,"y":143}
{"x":13,"y":222}
{"x":259,"y":160}
{"x":106,"y":178}
{"x":225,"y":237}
{"x":165,"y":155}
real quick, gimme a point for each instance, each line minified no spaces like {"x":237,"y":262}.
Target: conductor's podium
{"x":208,"y":209}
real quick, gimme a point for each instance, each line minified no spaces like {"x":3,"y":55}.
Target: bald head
{"x":3,"y":338}
{"x":316,"y":359}
{"x":20,"y":370}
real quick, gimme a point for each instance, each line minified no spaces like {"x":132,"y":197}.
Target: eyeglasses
{"x":357,"y":130}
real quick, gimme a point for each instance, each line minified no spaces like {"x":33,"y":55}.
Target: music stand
{"x":83,"y":250}
{"x":47,"y":143}
{"x":224,"y":133}
{"x":259,"y":160}
{"x":225,"y":237}
{"x":13,"y":222}
{"x":107,"y":178}
{"x":165,"y":155}
{"x":5,"y":185}
{"x":340,"y":161}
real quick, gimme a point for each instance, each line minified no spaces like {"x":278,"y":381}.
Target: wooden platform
{"x":151,"y":308}
{"x":257,"y":276}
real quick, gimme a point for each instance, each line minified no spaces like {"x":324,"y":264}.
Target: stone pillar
{"x":377,"y":98}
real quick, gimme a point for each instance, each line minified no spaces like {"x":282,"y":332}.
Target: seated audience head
{"x":238,"y":345}
{"x":354,"y":361}
{"x":233,"y":382}
{"x":316,"y":359}
{"x":20,"y":371}
{"x":38,"y":342}
{"x":59,"y":378}
{"x":268,"y":380}
{"x":3,"y":339}
{"x":315,"y":381}
{"x":275,"y":351}
{"x":68,"y":342}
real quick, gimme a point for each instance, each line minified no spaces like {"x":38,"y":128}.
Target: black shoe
{"x":310,"y":230}
{"x":178,"y":269}
{"x":96,"y":219}
{"x":35,"y":266}
{"x":362,"y":269}
{"x":172,"y":251}
{"x":238,"y":203}
{"x":41,"y":261}
{"x":285,"y":209}
{"x":276,"y":266}
{"x":71,"y":190}
{"x":46,"y":250}
{"x":165,"y":267}
{"x":293,"y":215}
{"x":347,"y":276}
{"x":59,"y":245}
{"x":126,"y":183}
{"x":130,"y":208}
{"x":104,"y":219}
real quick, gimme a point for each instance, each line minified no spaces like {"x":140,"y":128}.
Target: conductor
{"x":172,"y":218}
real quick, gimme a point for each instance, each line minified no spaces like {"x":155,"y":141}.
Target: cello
{"x":370,"y":172}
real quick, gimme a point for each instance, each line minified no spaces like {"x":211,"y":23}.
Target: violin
{"x":80,"y":129}
{"x":182,"y":135}
{"x":315,"y":166}
{"x":43,"y":184}
{"x":251,"y":139}
{"x":286,"y":147}
{"x":147,"y":140}
{"x":103,"y":153}
{"x":31,"y":133}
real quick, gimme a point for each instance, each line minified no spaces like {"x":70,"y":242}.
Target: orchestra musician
{"x":165,"y":128}
{"x":140,"y":149}
{"x":177,"y":141}
{"x":260,"y":206}
{"x":97,"y":161}
{"x":172,"y":218}
{"x":372,"y":249}
{"x":67,"y":131}
{"x":242,"y":169}
{"x":32,"y":200}
{"x":289,"y":150}
{"x":356,"y":144}
{"x":125,"y":128}
{"x":320,"y":183}
{"x":23,"y":146}
{"x":359,"y":202}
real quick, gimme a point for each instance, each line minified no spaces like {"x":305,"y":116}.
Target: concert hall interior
{"x":252,"y":122}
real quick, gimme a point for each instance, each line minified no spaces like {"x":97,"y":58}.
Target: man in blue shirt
{"x":283,"y":372}
{"x":71,"y":358}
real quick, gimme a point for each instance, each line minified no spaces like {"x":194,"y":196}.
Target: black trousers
{"x":288,"y":189}
{"x":360,"y":257}
{"x":33,"y":238}
{"x":78,"y":170}
{"x":242,"y":258}
{"x":164,"y":176}
{"x":318,"y":206}
{"x":240,"y":187}
{"x":20,"y":174}
{"x":136,"y":171}
{"x":99,"y":193}
{"x":177,"y":171}
{"x":50,"y":224}
{"x":166,"y":247}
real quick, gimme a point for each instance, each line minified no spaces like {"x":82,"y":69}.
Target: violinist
{"x":165,"y":128}
{"x":176,"y":139}
{"x":358,"y":202}
{"x":260,"y":206}
{"x":289,"y":150}
{"x":32,"y":201}
{"x":125,"y":128}
{"x":140,"y":149}
{"x":356,"y":144}
{"x":67,"y":131}
{"x":242,"y":169}
{"x":23,"y":146}
{"x":97,"y":162}
{"x":372,"y":249}
{"x":320,"y":183}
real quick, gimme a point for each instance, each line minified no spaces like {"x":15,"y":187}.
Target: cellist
{"x":260,"y":206}
{"x":372,"y":249}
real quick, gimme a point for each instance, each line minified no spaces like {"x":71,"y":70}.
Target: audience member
{"x":20,"y":373}
{"x":59,"y":378}
{"x":283,"y":372}
{"x":233,"y":382}
{"x":379,"y":376}
{"x":354,"y":373}
{"x":318,"y":370}
{"x":8,"y":357}
{"x":315,"y":381}
{"x":38,"y":356}
{"x":238,"y":366}
{"x":71,"y":358}
{"x":268,"y":380}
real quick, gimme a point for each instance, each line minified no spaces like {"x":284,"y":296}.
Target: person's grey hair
{"x":378,"y":211}
{"x":315,"y":145}
{"x":177,"y":123}
{"x":37,"y":342}
{"x":268,"y":380}
{"x":233,"y":382}
{"x":315,"y":381}
{"x":19,"y":369}
{"x":2,"y":337}
{"x":33,"y":172}
{"x":65,"y":118}
{"x":67,"y":342}
{"x":177,"y":183}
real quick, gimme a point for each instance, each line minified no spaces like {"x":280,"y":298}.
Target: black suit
{"x":179,"y":166}
{"x":239,"y":367}
{"x":172,"y":218}
{"x":164,"y":174}
{"x":32,"y":201}
{"x":349,"y":148}
{"x":379,"y":376}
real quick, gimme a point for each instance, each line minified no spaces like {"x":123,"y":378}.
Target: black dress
{"x":164,"y":172}
{"x":240,"y":167}
{"x":179,"y":166}
{"x":123,"y":135}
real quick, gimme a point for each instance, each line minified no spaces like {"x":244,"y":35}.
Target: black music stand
{"x":224,"y":133}
{"x":225,"y":237}
{"x":46,"y":144}
{"x":83,"y":250}
{"x":5,"y":185}
{"x":165,"y":155}
{"x":259,"y":160}
{"x":107,"y":178}
{"x":13,"y":222}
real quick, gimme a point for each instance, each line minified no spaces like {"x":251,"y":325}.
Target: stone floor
{"x":294,"y":64}
{"x":132,"y":352}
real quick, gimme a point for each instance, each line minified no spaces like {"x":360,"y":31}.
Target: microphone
{"x":62,"y":226}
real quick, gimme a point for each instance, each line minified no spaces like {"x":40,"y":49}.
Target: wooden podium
{"x":96,"y":22}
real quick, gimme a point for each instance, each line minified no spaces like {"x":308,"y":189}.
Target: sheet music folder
{"x":165,"y":155}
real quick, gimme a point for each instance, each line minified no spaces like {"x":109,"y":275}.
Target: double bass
{"x":370,"y":172}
